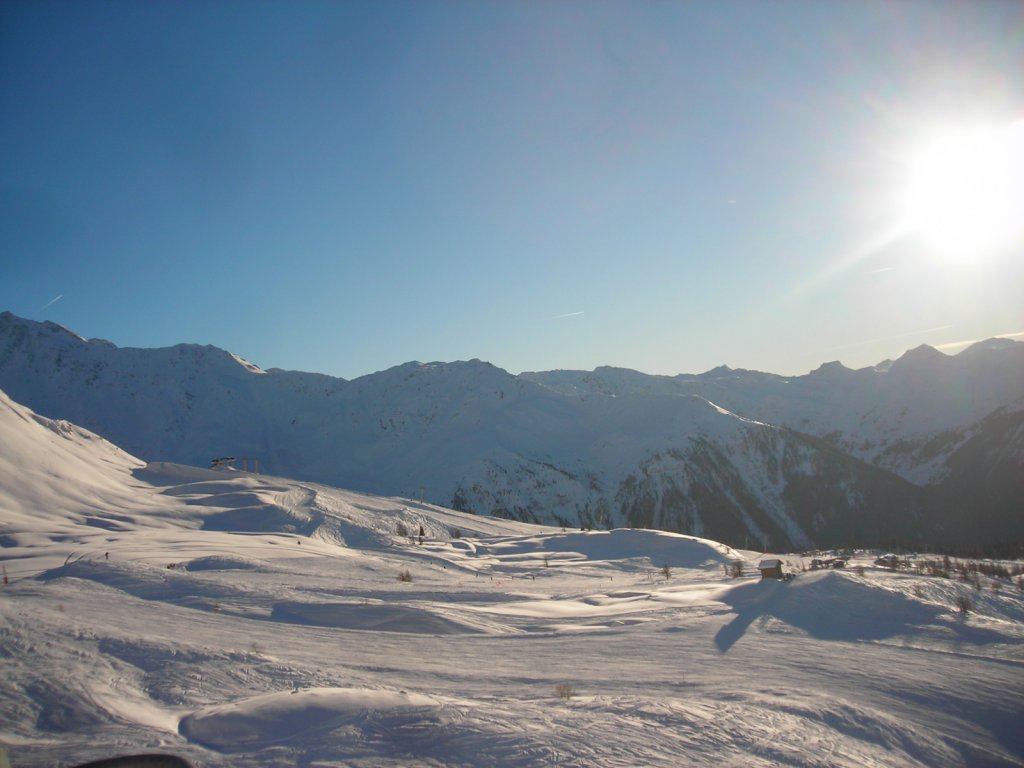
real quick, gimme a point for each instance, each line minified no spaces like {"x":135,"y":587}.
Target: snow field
{"x":282,"y":635}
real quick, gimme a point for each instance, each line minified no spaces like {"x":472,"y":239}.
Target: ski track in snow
{"x":243,"y":620}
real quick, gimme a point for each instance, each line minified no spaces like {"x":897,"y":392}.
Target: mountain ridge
{"x":837,"y":456}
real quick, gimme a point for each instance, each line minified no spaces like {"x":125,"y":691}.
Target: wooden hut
{"x":771,"y":568}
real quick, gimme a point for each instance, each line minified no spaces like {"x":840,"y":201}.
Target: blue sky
{"x":342,"y":187}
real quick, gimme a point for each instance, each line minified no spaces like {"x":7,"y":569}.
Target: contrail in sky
{"x":567,"y":314}
{"x":890,"y":338}
{"x":52,"y":301}
{"x":961,"y":344}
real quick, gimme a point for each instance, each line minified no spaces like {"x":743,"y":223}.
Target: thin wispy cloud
{"x":892,"y":338}
{"x":567,"y":314}
{"x":880,"y":269}
{"x":956,"y":346}
{"x":51,"y":302}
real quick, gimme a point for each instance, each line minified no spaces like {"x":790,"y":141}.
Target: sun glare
{"x":965,"y":193}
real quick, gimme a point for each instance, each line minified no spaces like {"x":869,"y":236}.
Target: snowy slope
{"x":743,"y":456}
{"x":284,"y":635}
{"x":906,"y":416}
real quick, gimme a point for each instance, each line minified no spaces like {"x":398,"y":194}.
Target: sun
{"x":965,"y":193}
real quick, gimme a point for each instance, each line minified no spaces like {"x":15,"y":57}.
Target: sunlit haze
{"x":965,"y":193}
{"x":666,"y":186}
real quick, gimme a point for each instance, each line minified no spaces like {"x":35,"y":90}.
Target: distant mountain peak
{"x":718,"y":370}
{"x":833,"y":368}
{"x":922,"y":350}
{"x":995,"y":344}
{"x":10,"y":319}
{"x":918,"y":356}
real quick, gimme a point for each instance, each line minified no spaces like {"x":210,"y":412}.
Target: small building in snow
{"x":771,"y":568}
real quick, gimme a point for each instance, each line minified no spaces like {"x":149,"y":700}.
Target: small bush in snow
{"x":736,"y":570}
{"x":666,"y":572}
{"x":564,"y":691}
{"x":404,"y":575}
{"x":402,"y":529}
{"x":455,"y":533}
{"x":963,"y":605}
{"x":937,"y":568}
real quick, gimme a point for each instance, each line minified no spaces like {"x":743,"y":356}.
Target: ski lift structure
{"x":228,"y":462}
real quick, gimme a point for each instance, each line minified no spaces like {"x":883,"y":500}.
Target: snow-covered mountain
{"x":907,"y":416}
{"x":245,"y":620}
{"x":834,"y":457}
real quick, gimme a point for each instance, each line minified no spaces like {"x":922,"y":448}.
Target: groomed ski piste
{"x":236,"y":619}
